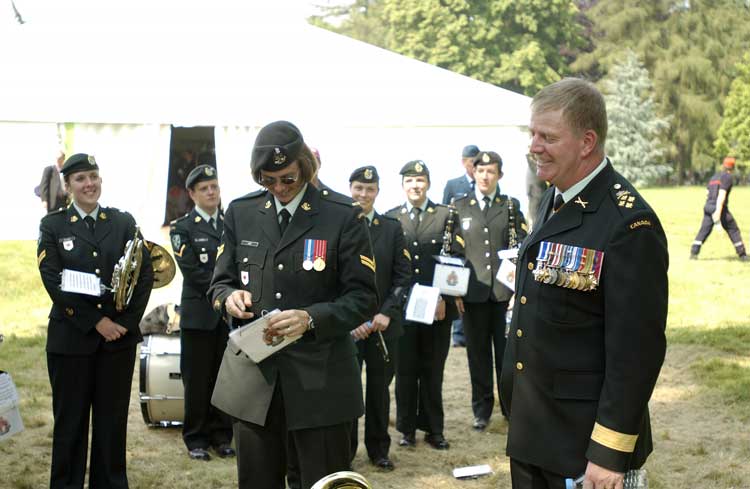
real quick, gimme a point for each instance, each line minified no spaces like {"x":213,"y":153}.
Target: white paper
{"x":508,"y":254}
{"x":422,"y":304}
{"x":506,"y":274}
{"x":471,"y":472}
{"x":451,"y":280}
{"x":81,"y":283}
{"x":450,"y":260}
{"x":249,"y":339}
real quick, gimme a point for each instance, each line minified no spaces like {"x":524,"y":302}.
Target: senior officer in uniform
{"x":203,"y":333}
{"x":304,"y":251}
{"x":90,"y":345}
{"x":424,"y":348}
{"x":490,"y":222}
{"x":587,"y":338}
{"x":393,"y":275}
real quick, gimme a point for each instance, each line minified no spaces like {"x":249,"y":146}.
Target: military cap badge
{"x":368,"y":173}
{"x":418,"y":167}
{"x":208,"y":171}
{"x":278,"y":157}
{"x":486,"y":158}
{"x":92,"y":160}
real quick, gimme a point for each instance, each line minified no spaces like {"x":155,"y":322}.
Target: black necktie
{"x":90,"y":223}
{"x":473,"y":183}
{"x":285,"y":218}
{"x":558,"y":203}
{"x":212,"y":222}
{"x":486,"y":200}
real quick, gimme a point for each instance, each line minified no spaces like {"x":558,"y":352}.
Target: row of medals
{"x":318,"y":265}
{"x":572,"y":267}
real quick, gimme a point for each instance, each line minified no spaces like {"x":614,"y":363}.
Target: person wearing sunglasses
{"x":305,"y":252}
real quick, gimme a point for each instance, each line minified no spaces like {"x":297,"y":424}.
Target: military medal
{"x":541,"y":261}
{"x":307,"y":262}
{"x":319,"y":263}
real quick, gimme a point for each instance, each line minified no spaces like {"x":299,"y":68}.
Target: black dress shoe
{"x":437,"y":441}
{"x":408,"y":440}
{"x":224,"y":450}
{"x":383,"y":463}
{"x":480,"y":424}
{"x":199,"y":454}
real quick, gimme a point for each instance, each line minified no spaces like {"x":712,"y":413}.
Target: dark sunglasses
{"x":285,"y":180}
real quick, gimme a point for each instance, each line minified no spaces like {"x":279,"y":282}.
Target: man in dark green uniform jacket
{"x":487,"y":218}
{"x":378,"y":338}
{"x":203,"y":332}
{"x":587,"y":338}
{"x":424,"y":348}
{"x":304,"y":251}
{"x":90,"y":344}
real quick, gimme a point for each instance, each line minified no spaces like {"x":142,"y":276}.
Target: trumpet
{"x":128,"y":269}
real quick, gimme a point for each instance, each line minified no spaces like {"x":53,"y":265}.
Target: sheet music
{"x":422,"y":304}
{"x":249,"y":339}
{"x":81,"y":283}
{"x":506,"y":274}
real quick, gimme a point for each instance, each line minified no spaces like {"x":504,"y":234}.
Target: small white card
{"x":451,"y":280}
{"x":508,"y":254}
{"x":506,"y":274}
{"x":250,"y":339}
{"x":450,"y":260}
{"x":471,"y":472}
{"x":81,"y":283}
{"x":422,"y":304}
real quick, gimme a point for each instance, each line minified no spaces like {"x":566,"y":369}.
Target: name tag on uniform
{"x":245,"y":242}
{"x":200,"y":240}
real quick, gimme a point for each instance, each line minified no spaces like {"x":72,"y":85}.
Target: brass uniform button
{"x":281,"y":266}
{"x":519,"y":366}
{"x":523,"y":299}
{"x":530,"y":266}
{"x":519,"y":333}
{"x":278,"y":295}
{"x":98,"y":306}
{"x":94,"y":253}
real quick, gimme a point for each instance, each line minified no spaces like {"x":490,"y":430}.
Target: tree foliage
{"x":521,"y":45}
{"x":690,"y":48}
{"x":633,"y":139}
{"x":733,"y":137}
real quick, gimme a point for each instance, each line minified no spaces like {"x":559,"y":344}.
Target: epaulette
{"x":394,"y":210}
{"x":57,"y":211}
{"x":460,"y":197}
{"x":252,"y":195}
{"x":332,"y":196}
{"x":181,"y":218}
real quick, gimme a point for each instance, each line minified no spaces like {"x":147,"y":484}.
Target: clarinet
{"x":448,"y":233}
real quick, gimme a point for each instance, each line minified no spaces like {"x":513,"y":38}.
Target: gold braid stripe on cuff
{"x":613,"y":439}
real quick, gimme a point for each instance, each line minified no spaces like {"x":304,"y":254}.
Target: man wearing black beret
{"x":305,"y":252}
{"x":203,"y":333}
{"x":377,"y":339}
{"x":424,"y":348}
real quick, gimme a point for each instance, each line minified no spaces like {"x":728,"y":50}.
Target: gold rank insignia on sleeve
{"x":625,"y":199}
{"x":368,"y":262}
{"x":612,"y":439}
{"x":219,"y":250}
{"x":407,"y":254}
{"x":182,"y":250}
{"x":41,"y":257}
{"x":460,"y":241}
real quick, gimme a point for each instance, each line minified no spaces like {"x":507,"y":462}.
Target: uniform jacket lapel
{"x":103,"y":225}
{"x":269,"y":221}
{"x":428,"y":217}
{"x":302,"y":219}
{"x":497,"y":209}
{"x":78,"y":226}
{"x":375,"y":228}
{"x":409,"y":224}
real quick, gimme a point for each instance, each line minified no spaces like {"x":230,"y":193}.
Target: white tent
{"x":113,"y":80}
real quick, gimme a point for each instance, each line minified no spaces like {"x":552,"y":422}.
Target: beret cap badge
{"x":278,"y":157}
{"x":368,"y":174}
{"x":208,"y":171}
{"x":418,"y":167}
{"x":486,"y":158}
{"x":92,"y":160}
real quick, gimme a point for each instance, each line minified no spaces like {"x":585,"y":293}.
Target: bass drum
{"x":161,"y":390}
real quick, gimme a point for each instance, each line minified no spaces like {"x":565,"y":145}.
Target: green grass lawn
{"x":709,"y":344}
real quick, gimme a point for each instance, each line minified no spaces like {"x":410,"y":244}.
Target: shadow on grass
{"x":734,"y":338}
{"x":729,"y":378}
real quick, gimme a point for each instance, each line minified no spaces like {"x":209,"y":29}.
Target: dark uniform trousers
{"x":311,"y":390}
{"x":90,"y":378}
{"x":423,"y":349}
{"x":527,"y":476}
{"x":486,"y":230}
{"x":203,"y":333}
{"x":393,"y":278}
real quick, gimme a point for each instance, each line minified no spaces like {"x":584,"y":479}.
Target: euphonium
{"x":128,"y":268}
{"x":343,"y":480}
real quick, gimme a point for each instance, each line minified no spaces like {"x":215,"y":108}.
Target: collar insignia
{"x":472,"y":202}
{"x":73,"y":218}
{"x":197,"y":218}
{"x":268,"y":204}
{"x":376,"y":222}
{"x":581,"y":202}
{"x":430,"y":210}
{"x":102,"y":216}
{"x":306,"y":206}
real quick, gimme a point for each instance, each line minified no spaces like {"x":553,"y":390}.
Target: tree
{"x":633,"y":139}
{"x":521,"y":45}
{"x":690,"y":48}
{"x":733,"y":137}
{"x":362,"y":20}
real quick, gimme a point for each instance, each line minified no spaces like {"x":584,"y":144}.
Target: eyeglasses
{"x":285,"y":180}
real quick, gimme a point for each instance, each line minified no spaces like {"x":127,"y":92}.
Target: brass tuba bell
{"x":343,"y":480}
{"x":128,"y":268}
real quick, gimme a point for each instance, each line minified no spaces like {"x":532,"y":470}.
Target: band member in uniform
{"x":304,"y":251}
{"x":203,"y":333}
{"x":587,"y":338}
{"x":424,"y":348}
{"x":716,"y":210}
{"x":378,"y":338}
{"x":90,"y":345}
{"x":490,"y":222}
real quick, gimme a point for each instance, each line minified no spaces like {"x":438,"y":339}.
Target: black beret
{"x":469,"y":151}
{"x":488,"y":158}
{"x":276,"y":147}
{"x":200,"y":173}
{"x":365,"y":174}
{"x":78,"y":162}
{"x":415,"y":168}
